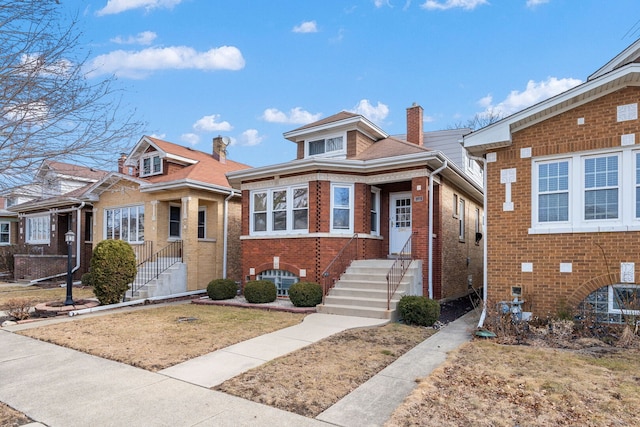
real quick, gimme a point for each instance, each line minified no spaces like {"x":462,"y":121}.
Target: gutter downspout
{"x":78,"y":230}
{"x":430,"y":257}
{"x":484,"y":235}
{"x":225,"y":228}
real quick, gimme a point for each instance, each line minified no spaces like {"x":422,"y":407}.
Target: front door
{"x":399,"y":221}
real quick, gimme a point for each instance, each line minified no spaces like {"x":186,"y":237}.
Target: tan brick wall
{"x":595,"y":257}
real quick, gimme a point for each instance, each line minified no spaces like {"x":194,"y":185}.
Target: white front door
{"x":399,"y":221}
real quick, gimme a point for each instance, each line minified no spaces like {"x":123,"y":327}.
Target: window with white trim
{"x":280,"y":210}
{"x":150,"y":164}
{"x":461,"y":219}
{"x":125,"y":223}
{"x":38,"y":229}
{"x":174,"y":221}
{"x":5,"y":236}
{"x":341,"y":208}
{"x":202,"y":222}
{"x":611,"y":304}
{"x":585,"y":192}
{"x":375,"y":211}
{"x":326,"y":146}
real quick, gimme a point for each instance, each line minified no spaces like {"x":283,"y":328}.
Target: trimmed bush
{"x":305,"y":294}
{"x":260,"y":291}
{"x":113,"y":267}
{"x":222,"y":289}
{"x":417,"y":310}
{"x":87,"y":279}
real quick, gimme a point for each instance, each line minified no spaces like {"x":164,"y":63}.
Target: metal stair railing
{"x":398,"y":269}
{"x":339,"y":264}
{"x":160,"y":262}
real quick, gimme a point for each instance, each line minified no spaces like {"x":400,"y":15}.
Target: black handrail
{"x":398,"y":269}
{"x":157,"y":264}
{"x":339,"y":265}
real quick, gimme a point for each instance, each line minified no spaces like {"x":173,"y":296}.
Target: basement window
{"x":283,"y":280}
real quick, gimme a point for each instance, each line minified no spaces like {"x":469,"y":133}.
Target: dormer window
{"x":150,"y":165}
{"x":328,"y":146}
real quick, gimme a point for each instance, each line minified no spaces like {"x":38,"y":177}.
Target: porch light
{"x":69,"y":237}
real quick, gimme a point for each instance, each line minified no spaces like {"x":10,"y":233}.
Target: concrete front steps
{"x":169,"y":282}
{"x":362,"y":290}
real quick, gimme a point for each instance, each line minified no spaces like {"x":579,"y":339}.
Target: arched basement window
{"x":282,"y":278}
{"x":612,"y":304}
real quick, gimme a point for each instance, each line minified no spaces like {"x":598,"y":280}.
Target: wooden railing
{"x":339,"y":264}
{"x":398,"y":269}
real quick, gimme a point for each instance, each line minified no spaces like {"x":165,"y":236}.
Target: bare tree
{"x":49,"y":109}
{"x":480,"y":120}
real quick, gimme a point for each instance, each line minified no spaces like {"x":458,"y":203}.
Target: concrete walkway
{"x":57,"y":386}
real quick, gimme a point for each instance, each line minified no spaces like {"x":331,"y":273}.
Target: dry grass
{"x":312,"y":379}
{"x":36,"y":294}
{"x":159,"y":337}
{"x":488,"y":384}
{"x":9,"y":417}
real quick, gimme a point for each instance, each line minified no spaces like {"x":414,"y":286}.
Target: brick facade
{"x":595,"y":257}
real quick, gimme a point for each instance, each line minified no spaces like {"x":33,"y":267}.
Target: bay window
{"x":125,"y":223}
{"x":280,"y":210}
{"x":38,"y":229}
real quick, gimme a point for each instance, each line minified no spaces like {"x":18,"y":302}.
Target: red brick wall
{"x":595,"y":257}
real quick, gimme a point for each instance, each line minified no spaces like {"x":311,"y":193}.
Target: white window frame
{"x":269,"y":213}
{"x":202,"y":227}
{"x":350,"y":207}
{"x":108,"y":234}
{"x":7,"y":233}
{"x":375,"y":210}
{"x":461,"y":219}
{"x":576,"y":223}
{"x":179,"y":236}
{"x":152,"y":170}
{"x":612,"y":300}
{"x":42,"y":233}
{"x":332,"y":153}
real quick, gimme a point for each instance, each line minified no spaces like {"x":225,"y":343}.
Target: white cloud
{"x":190,"y":138}
{"x":250,"y":137}
{"x":139,"y":64}
{"x":295,"y":116}
{"x":534,"y":3}
{"x":143,"y":38}
{"x":211,"y":124}
{"x":535,"y":92}
{"x":450,"y":4}
{"x":375,"y":113}
{"x":118,"y":6}
{"x":306,"y":27}
{"x":380,"y":3}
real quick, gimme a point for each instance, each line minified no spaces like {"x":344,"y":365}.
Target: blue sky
{"x":251,"y":70}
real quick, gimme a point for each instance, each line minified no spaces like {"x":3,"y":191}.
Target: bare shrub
{"x":18,"y":308}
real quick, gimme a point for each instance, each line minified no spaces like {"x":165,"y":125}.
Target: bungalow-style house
{"x":356,"y":197}
{"x":176,"y":208}
{"x":563,"y":197}
{"x":55,"y":203}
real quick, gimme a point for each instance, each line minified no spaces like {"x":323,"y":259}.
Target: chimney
{"x":415,"y":134}
{"x":220,"y":149}
{"x":121,"y":160}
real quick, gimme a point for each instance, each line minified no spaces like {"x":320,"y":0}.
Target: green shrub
{"x":417,"y":310}
{"x":87,"y":279}
{"x":305,"y":294}
{"x":260,"y":291}
{"x":222,"y":289}
{"x":113,"y":267}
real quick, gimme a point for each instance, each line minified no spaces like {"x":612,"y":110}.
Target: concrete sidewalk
{"x":62,"y":387}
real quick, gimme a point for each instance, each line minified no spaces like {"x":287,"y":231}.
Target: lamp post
{"x":69,"y":237}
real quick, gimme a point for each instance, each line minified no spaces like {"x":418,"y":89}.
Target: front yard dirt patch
{"x":9,"y":417}
{"x":488,"y":384}
{"x":37,"y":294}
{"x":159,"y":337}
{"x":313,"y":378}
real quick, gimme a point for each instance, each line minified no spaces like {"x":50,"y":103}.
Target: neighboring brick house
{"x":55,"y":203}
{"x":351,"y":178}
{"x":165,"y":194}
{"x":563,"y":195}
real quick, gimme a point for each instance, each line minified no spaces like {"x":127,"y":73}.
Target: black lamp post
{"x":69,"y":237}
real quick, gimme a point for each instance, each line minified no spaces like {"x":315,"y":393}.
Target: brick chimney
{"x":415,"y":134}
{"x":121,"y":160}
{"x":220,"y":149}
